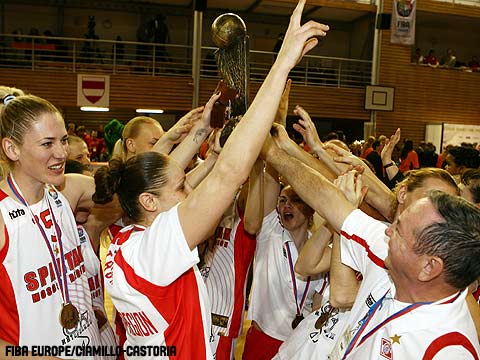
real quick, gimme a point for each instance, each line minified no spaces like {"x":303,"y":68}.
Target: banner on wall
{"x":403,"y":22}
{"x":93,"y":90}
{"x":456,"y":134}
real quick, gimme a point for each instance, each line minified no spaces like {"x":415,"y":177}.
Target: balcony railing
{"x":40,"y":53}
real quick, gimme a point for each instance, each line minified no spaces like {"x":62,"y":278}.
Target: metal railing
{"x":61,"y":54}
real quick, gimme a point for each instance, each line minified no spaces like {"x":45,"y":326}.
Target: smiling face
{"x":42,"y":156}
{"x":293,"y":212}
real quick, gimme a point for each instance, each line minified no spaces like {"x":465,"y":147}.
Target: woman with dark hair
{"x":408,"y":157}
{"x":150,"y":270}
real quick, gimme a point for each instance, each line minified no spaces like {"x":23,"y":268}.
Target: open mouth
{"x":288,"y":216}
{"x":56,"y":167}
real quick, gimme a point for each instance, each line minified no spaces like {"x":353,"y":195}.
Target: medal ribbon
{"x":62,"y":280}
{"x":294,"y":282}
{"x":373,"y":310}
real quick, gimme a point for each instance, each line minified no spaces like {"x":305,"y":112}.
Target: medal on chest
{"x":69,"y":315}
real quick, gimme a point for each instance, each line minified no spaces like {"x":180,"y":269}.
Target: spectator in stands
{"x":431,"y":59}
{"x":473,"y":64}
{"x":331,"y":136}
{"x":430,"y":157}
{"x":449,"y":60}
{"x":71,"y":129}
{"x":367,"y":147}
{"x":420,"y":151}
{"x":418,"y":58}
{"x":408,"y":157}
{"x":375,"y":159}
{"x":97,"y":147}
{"x":83,"y":133}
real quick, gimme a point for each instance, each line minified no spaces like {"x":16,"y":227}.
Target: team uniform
{"x":273,"y":305}
{"x":94,"y":273}
{"x":156,"y":287}
{"x":308,"y":342}
{"x":380,"y":327}
{"x":225,"y":273}
{"x":31,"y":295}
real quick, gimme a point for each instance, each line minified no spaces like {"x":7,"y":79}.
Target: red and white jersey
{"x":156,"y":288}
{"x":272,"y":303}
{"x":308,"y":342}
{"x":30,"y":296}
{"x":94,"y":273}
{"x":225,"y":273}
{"x":440,"y":330}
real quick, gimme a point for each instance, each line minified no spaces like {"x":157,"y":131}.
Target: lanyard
{"x":294,"y":282}
{"x":369,"y":317}
{"x":62,"y":280}
{"x":399,"y":313}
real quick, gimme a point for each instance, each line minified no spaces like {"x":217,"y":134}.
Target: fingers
{"x":297,"y":14}
{"x":212,"y":100}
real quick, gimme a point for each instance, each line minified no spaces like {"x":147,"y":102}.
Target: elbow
{"x":231,"y":174}
{"x":252,"y":227}
{"x":341,"y":301}
{"x":303,"y":270}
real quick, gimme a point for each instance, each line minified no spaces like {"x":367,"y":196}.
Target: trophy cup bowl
{"x":227,"y":29}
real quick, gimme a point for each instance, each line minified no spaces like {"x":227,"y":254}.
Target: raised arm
{"x":214,"y":195}
{"x":316,"y":190}
{"x":254,"y":204}
{"x":392,"y":171}
{"x":179,"y":131}
{"x":184,"y":152}
{"x":314,"y":258}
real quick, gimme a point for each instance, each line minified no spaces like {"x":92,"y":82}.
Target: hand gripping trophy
{"x":229,"y":33}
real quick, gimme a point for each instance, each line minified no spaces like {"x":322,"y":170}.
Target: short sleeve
{"x":363,"y":241}
{"x":162,"y":253}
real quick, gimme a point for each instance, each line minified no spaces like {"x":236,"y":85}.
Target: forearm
{"x":379,"y":196}
{"x":314,"y":188}
{"x":313,"y":259}
{"x":254,"y":204}
{"x":343,"y":281}
{"x":184,"y":152}
{"x":196,"y":175}
{"x":298,"y":153}
{"x":164,"y":145}
{"x":250,"y":133}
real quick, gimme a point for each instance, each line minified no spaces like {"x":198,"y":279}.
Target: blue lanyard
{"x":294,"y":281}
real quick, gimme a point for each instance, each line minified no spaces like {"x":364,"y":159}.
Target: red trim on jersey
{"x":121,"y":333}
{"x":476,"y":294}
{"x":113,"y":230}
{"x":3,"y":195}
{"x":243,"y":250}
{"x":10,"y":329}
{"x":446,"y":340}
{"x":179,"y":305}
{"x":374,"y":258}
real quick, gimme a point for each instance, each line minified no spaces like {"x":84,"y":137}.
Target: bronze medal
{"x":322,"y":320}
{"x":297,"y":320}
{"x":69,"y":316}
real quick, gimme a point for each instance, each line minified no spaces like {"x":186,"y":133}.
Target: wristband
{"x":388,"y":165}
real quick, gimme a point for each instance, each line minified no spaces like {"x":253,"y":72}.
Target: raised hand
{"x":351,"y":185}
{"x":307,"y":129}
{"x":299,"y":39}
{"x":387,"y":150}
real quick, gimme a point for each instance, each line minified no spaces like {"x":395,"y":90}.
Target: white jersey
{"x":30,"y":294}
{"x":93,"y":269}
{"x":225,"y":273}
{"x":272,"y":304}
{"x":308,"y":342}
{"x":152,"y":277}
{"x":386,"y":328}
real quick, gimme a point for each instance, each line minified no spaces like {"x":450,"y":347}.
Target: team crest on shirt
{"x":82,"y":236}
{"x":53,"y":194}
{"x":370,"y":301}
{"x":386,"y":349}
